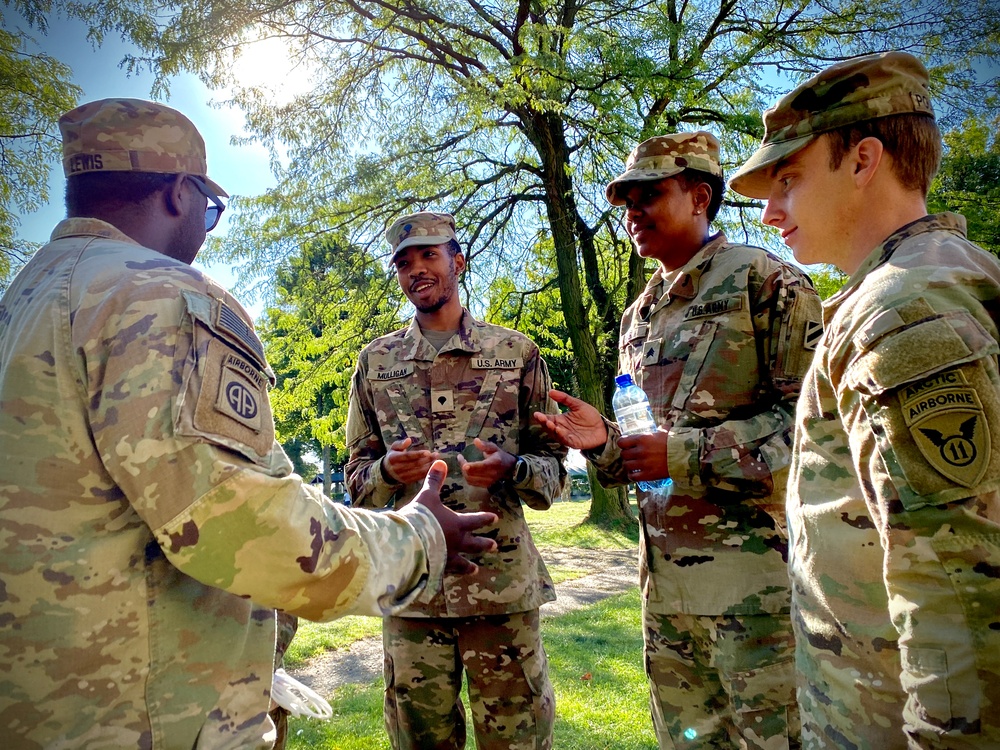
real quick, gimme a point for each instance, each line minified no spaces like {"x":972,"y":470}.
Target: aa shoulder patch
{"x":948,"y":423}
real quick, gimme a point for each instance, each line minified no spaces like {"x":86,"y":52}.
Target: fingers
{"x":459,"y":566}
{"x":435,"y":476}
{"x":469,"y":522}
{"x":488,"y":449}
{"x":401,"y":445}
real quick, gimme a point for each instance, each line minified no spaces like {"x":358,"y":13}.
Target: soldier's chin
{"x":432,"y":307}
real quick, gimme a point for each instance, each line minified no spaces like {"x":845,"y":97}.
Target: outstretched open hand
{"x":457,"y":527}
{"x":581,"y":427}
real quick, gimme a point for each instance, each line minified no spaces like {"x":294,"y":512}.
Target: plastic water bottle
{"x":634,"y":417}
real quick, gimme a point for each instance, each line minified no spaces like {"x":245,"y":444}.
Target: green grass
{"x":313,"y":638}
{"x":563,"y":525}
{"x":609,"y":710}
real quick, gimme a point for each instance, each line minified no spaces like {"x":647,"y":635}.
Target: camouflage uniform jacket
{"x":150,"y":521}
{"x":486,"y":382}
{"x":720,"y":352}
{"x":893,"y":500}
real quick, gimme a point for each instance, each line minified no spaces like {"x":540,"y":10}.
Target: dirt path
{"x":611,"y":572}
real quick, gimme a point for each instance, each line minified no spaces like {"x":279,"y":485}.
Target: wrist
{"x":519,"y":472}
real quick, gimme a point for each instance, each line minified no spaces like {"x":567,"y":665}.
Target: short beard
{"x":433,"y":307}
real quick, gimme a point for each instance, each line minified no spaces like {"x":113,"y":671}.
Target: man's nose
{"x":772,"y":213}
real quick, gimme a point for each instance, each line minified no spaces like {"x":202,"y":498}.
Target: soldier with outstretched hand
{"x":151,"y":523}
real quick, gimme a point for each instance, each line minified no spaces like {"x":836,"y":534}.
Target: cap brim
{"x":636,"y":175}
{"x":419,"y":240}
{"x":753,"y":179}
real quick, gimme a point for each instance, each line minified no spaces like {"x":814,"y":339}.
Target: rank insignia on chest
{"x":442,"y":401}
{"x":948,"y":425}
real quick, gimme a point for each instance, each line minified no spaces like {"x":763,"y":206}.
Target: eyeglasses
{"x":215,"y":205}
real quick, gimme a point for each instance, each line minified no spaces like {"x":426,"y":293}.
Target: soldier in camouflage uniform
{"x":453,"y":387}
{"x":893,"y":508}
{"x":719,"y":340}
{"x":151,"y":523}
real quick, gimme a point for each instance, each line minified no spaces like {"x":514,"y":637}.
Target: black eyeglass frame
{"x":213,"y":212}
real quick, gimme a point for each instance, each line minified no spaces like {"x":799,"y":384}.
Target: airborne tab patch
{"x":948,"y":425}
{"x":241,"y":388}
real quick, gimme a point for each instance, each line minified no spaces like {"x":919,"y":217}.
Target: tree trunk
{"x":607,"y":506}
{"x":327,"y":474}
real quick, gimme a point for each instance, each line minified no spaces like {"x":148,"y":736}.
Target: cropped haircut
{"x":454,"y":248}
{"x":91,"y":193}
{"x":912,"y":140}
{"x":691,"y":178}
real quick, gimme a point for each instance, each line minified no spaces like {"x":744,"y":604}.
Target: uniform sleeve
{"x":921,"y":397}
{"x":367,"y":482}
{"x":180,"y":416}
{"x":745,"y":453}
{"x":546,"y":472}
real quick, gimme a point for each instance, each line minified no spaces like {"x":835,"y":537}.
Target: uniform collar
{"x":86,"y":227}
{"x":685,"y":281}
{"x":467,"y":339}
{"x":943,"y":222}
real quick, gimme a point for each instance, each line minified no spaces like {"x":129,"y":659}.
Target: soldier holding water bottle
{"x":719,"y":341}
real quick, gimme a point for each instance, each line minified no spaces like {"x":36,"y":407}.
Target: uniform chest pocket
{"x":721,"y":369}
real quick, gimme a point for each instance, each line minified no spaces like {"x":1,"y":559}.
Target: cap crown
{"x":664,"y":156}
{"x":131,"y":135}
{"x":422,"y":228}
{"x":853,"y":91}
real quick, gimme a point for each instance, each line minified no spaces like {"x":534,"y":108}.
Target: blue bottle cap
{"x":624,"y":379}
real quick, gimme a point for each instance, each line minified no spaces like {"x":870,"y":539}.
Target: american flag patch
{"x":814,"y":332}
{"x":233,"y":324}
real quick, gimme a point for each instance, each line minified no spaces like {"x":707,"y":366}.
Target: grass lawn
{"x":602,"y":643}
{"x":595,"y":663}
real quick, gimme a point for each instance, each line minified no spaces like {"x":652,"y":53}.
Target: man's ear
{"x":173,"y":195}
{"x":866,"y":157}
{"x":459,"y":263}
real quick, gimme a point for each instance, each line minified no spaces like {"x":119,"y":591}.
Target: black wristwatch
{"x":520,"y":471}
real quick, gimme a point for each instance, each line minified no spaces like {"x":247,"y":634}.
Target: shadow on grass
{"x":595,"y":663}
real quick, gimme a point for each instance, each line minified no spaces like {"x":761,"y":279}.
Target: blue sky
{"x":238,"y":169}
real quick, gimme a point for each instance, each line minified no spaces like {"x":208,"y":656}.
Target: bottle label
{"x":635,"y":419}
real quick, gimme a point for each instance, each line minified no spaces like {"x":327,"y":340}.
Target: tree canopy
{"x":35,"y":89}
{"x":514,"y":114}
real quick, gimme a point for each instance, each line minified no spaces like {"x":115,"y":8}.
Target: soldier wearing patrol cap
{"x":719,"y":340}
{"x":892,"y":502}
{"x":454,"y":387}
{"x":151,"y":523}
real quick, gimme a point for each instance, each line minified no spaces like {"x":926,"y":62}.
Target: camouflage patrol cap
{"x":856,"y":90}
{"x":132,"y":135}
{"x":665,"y":156}
{"x":422,"y":228}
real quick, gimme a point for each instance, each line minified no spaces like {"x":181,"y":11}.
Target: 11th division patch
{"x":949,"y":427}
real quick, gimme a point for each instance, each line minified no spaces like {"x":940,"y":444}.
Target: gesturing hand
{"x":407,"y":466}
{"x":581,"y":427}
{"x":457,"y":527}
{"x":497,"y":464}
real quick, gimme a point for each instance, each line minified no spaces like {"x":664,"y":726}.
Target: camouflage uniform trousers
{"x":722,"y":681}
{"x":513,"y":706}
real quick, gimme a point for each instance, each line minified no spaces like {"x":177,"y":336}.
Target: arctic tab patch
{"x":948,"y":425}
